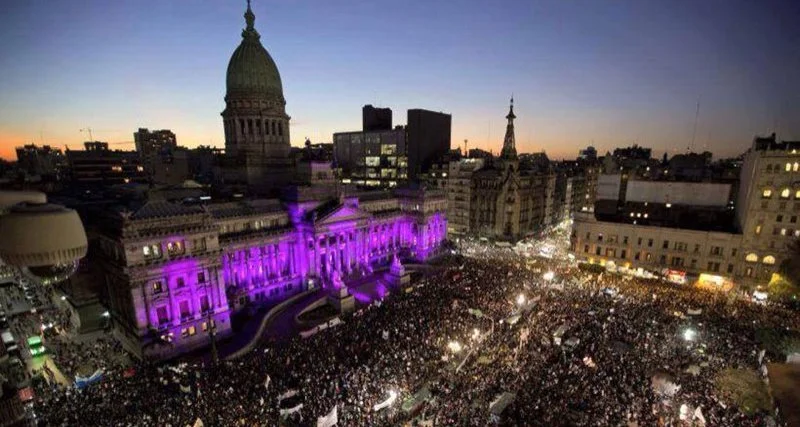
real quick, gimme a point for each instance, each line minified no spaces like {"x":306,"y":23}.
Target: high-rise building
{"x":459,"y":194}
{"x":428,"y":139}
{"x":99,"y":166}
{"x":371,"y":158}
{"x":43,"y":161}
{"x":768,"y":205}
{"x":256,"y":125}
{"x":151,"y":143}
{"x":373,"y":119}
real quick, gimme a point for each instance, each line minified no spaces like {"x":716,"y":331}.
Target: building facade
{"x":176,"y":272}
{"x":372,"y":158}
{"x":508,"y":200}
{"x":99,"y":166}
{"x":459,"y":194}
{"x":768,"y":205}
{"x":373,"y":118}
{"x":151,"y":143}
{"x":42,"y":161}
{"x":428,"y":139}
{"x":702,"y":230}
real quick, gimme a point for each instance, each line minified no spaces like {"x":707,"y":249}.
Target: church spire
{"x":509,"y":146}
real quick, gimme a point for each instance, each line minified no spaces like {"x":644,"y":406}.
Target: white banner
{"x":386,"y":403}
{"x":330,"y":419}
{"x":288,"y":394}
{"x":290,"y":411}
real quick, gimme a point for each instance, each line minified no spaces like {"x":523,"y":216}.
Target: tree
{"x":786,"y":284}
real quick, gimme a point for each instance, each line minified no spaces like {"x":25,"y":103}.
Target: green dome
{"x":251,"y":70}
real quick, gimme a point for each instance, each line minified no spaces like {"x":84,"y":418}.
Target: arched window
{"x":785,"y":193}
{"x":797,"y":194}
{"x":767,"y":193}
{"x":795,"y":167}
{"x":751,"y":258}
{"x":769,"y":168}
{"x":788,"y":167}
{"x":769,"y":259}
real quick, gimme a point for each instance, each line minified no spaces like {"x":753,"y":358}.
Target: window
{"x":779,"y":218}
{"x":767,"y":193}
{"x":694,"y":263}
{"x":599,"y":237}
{"x":797,"y":194}
{"x":734,"y":252}
{"x":783,"y":231}
{"x":795,"y":167}
{"x":586,"y":249}
{"x":785,"y":193}
{"x":769,"y":168}
{"x":716,"y":250}
{"x":161,"y":314}
{"x":623,"y":254}
{"x":666,"y":244}
{"x":180,"y":282}
{"x":636,"y":256}
{"x":597,"y":250}
{"x":788,"y":167}
{"x":185,"y":311}
{"x":730,"y":268}
{"x":663,"y":260}
{"x":625,"y":240}
{"x":769,"y":260}
{"x":188,"y":332}
{"x":649,"y":256}
{"x":639,"y":242}
{"x":204,"y":304}
{"x":758,"y":229}
{"x":158,"y":287}
{"x":201,"y":277}
{"x":175,"y":248}
{"x":151,"y":251}
{"x":751,"y":257}
{"x":650,"y":243}
{"x":587,"y":236}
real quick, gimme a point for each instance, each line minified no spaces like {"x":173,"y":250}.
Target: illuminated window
{"x":783,"y":231}
{"x":751,"y":258}
{"x":769,"y":259}
{"x":157,"y":287}
{"x":797,"y":194}
{"x":758,"y":229}
{"x":785,"y":193}
{"x":175,"y":248}
{"x":116,"y":168}
{"x":139,"y":168}
{"x":767,"y":193}
{"x":795,"y":167}
{"x":788,"y":167}
{"x":152,"y":251}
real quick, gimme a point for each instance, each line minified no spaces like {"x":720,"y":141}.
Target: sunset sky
{"x":602,"y":73}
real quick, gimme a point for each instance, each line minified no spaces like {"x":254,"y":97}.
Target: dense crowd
{"x":576,"y":348}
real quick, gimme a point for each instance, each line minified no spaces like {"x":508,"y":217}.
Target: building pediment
{"x":343,"y":213}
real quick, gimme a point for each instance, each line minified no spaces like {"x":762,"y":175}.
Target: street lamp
{"x":454,"y":346}
{"x":520,"y":299}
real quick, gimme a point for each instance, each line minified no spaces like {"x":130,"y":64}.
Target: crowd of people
{"x":572,"y":348}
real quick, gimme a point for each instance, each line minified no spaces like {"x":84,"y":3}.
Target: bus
{"x":10,"y":343}
{"x":35,"y":345}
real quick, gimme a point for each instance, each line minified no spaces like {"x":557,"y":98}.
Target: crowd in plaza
{"x":572,"y":348}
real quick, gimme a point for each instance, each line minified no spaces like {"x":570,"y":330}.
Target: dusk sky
{"x":602,"y":73}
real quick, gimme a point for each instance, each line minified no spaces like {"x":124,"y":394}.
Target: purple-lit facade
{"x":174,"y":269}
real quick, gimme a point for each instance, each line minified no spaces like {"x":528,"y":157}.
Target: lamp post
{"x":212,"y":334}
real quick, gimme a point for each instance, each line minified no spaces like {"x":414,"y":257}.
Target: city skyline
{"x":634,"y":75}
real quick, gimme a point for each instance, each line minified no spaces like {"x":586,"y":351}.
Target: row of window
{"x":192,"y":330}
{"x":180,"y":282}
{"x":785,"y":193}
{"x":677,"y":246}
{"x":769,"y":259}
{"x":185,"y":311}
{"x":174,"y":248}
{"x":788,"y":167}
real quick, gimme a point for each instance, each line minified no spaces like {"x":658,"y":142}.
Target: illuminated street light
{"x":689,"y":334}
{"x":549,"y":276}
{"x":521,"y":299}
{"x":106,"y":314}
{"x":454,"y":346}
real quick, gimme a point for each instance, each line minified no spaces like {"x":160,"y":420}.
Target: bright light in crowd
{"x":454,"y":346}
{"x":521,"y":299}
{"x":106,"y":314}
{"x":689,"y":334}
{"x":476,"y":333}
{"x":549,"y":275}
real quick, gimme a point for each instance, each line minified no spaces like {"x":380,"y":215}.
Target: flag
{"x":330,"y":419}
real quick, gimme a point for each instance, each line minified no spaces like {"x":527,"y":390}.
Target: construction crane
{"x":91,"y":138}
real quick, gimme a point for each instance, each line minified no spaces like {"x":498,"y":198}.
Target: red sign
{"x":26,"y":394}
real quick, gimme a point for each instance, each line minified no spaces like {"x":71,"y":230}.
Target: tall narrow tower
{"x":509,"y":151}
{"x":255,"y":120}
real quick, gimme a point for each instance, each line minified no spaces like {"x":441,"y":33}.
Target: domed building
{"x":256,"y":125}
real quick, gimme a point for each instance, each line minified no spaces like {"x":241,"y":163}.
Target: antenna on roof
{"x":694,"y":131}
